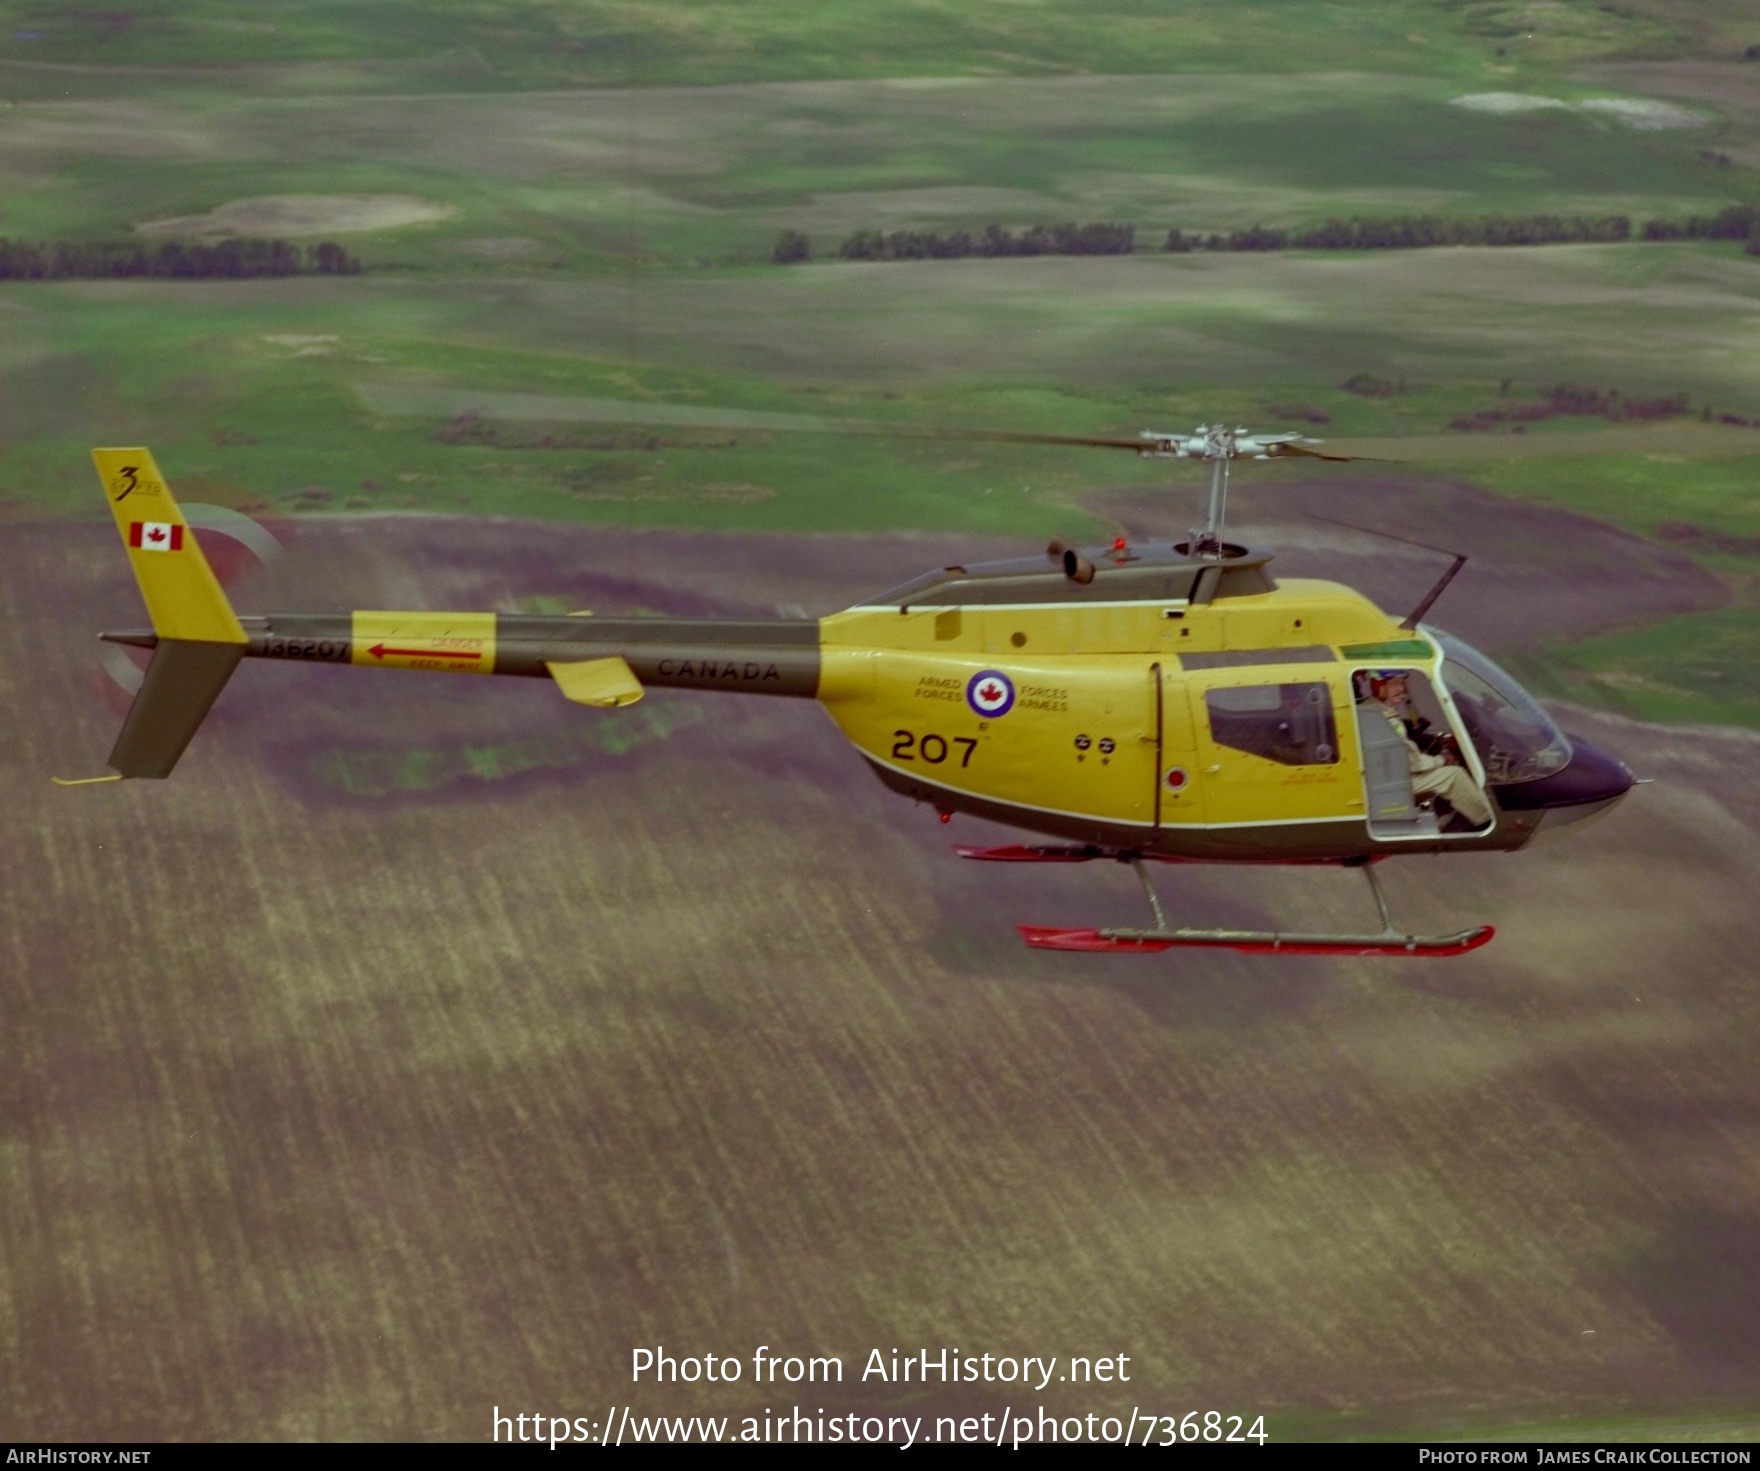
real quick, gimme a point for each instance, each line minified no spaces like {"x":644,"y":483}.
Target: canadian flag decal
{"x":155,"y":536}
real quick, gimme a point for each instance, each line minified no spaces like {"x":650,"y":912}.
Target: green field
{"x":704,"y":177}
{"x":585,"y":43}
{"x":275,"y":387}
{"x":322,"y":395}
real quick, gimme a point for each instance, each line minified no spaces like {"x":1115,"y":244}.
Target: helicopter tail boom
{"x":197,"y":640}
{"x":595,"y":661}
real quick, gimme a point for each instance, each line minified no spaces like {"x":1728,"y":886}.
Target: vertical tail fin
{"x":200,"y":638}
{"x":183,"y":596}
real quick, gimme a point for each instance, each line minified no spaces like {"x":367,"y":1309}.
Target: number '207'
{"x":931,"y":748}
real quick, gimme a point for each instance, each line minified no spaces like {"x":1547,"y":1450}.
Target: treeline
{"x":1416,"y":232}
{"x":992,"y":241}
{"x":1565,"y":399}
{"x":236,"y":259}
{"x":1738,"y":222}
{"x":1393,"y":232}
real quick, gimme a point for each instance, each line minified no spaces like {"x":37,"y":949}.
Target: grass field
{"x":424,"y":1046}
{"x":313,"y":395}
{"x":597,"y":44}
{"x":707,"y":176}
{"x":277,"y":387}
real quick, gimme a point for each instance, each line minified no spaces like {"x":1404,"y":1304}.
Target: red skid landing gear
{"x":1089,"y":852}
{"x":1254,"y":942}
{"x":1036,"y":853}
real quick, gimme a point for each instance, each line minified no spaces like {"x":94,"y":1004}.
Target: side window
{"x":1289,"y":723}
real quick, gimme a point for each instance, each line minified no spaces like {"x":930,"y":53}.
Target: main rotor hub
{"x":1217,"y":442}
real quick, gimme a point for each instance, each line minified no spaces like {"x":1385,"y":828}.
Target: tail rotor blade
{"x":248,"y":533}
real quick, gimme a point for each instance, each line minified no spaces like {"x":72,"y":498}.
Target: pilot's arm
{"x":1417,"y":761}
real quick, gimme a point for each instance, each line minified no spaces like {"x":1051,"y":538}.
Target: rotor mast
{"x":1219,"y":450}
{"x":1219,"y":445}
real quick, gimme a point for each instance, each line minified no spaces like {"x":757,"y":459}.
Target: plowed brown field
{"x":359,"y":1111}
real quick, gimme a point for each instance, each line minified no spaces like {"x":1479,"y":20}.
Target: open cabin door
{"x":1400,"y":805}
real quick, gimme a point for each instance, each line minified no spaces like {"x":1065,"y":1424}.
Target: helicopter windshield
{"x":1514,"y":737}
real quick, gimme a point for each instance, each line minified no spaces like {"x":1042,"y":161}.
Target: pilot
{"x":1399,"y":699}
{"x":1436,"y":773}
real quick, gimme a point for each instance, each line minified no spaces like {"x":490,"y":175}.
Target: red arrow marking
{"x":379,"y":651}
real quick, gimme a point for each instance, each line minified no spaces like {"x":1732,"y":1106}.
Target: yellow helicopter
{"x":1172,"y":705}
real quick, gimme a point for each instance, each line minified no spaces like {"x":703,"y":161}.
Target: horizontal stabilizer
{"x":605,"y":683}
{"x":181,"y":686}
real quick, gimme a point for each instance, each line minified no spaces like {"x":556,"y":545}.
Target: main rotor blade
{"x":1005,"y":436}
{"x":1694,"y":440}
{"x":1302,"y":452}
{"x":398,"y":400}
{"x":1136,"y":446}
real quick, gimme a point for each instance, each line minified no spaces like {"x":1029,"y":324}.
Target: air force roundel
{"x":990,"y":692}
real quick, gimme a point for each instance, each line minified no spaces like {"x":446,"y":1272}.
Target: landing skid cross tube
{"x":1389,"y":941}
